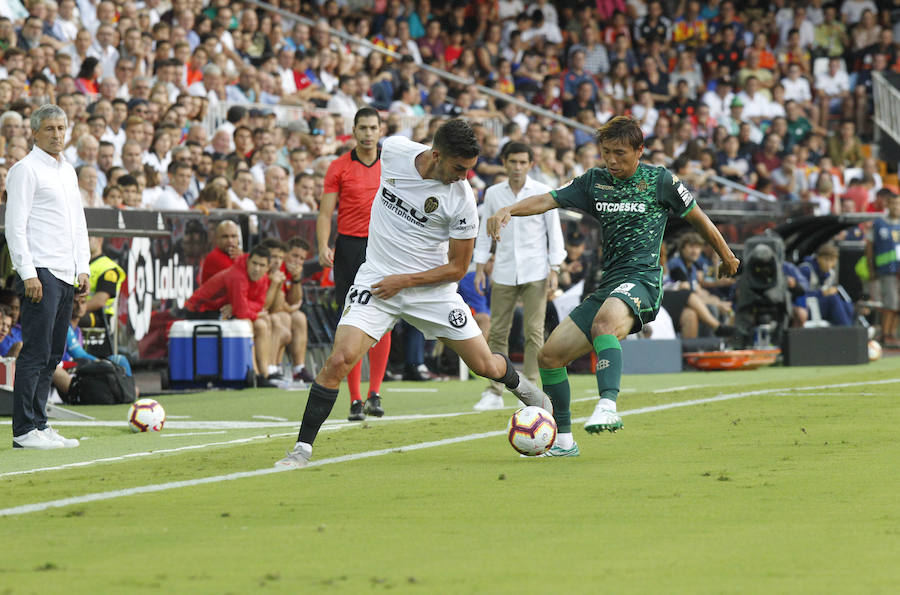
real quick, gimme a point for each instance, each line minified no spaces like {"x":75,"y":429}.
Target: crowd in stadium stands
{"x":768,"y":95}
{"x":775,"y":96}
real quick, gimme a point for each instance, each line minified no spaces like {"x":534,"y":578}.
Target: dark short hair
{"x":302,"y":175}
{"x":298,"y":242}
{"x":214,"y":193}
{"x":274,"y":244}
{"x":365,"y":112}
{"x":176,"y":165}
{"x":456,"y":138}
{"x":260,"y":250}
{"x":517,"y":147}
{"x":128,"y":180}
{"x":691,"y":238}
{"x":235,"y":113}
{"x":621,"y":128}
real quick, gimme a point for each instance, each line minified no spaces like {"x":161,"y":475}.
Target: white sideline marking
{"x":329,"y":425}
{"x":678,"y":388}
{"x":147,"y":453}
{"x":178,"y":435}
{"x":270,"y":418}
{"x":250,"y":425}
{"x":39,"y":506}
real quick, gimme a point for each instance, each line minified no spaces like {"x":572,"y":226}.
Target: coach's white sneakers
{"x":489,"y":400}
{"x":54,"y":436}
{"x":531,"y":395}
{"x":36,"y":440}
{"x":297,"y":458}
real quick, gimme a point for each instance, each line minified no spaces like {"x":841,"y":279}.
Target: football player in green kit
{"x":632,"y":201}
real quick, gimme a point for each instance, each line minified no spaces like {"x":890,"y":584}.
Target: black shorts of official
{"x":349,"y":254}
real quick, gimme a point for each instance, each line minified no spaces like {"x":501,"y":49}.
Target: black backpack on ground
{"x":100,"y":382}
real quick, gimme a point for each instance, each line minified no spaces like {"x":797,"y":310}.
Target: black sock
{"x":318,"y":407}
{"x":510,"y":379}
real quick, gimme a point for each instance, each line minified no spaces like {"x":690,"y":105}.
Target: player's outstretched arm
{"x":533,"y":205}
{"x":459,"y":255}
{"x":698,"y":219}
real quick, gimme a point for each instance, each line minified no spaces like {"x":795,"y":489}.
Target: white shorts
{"x":438,"y":313}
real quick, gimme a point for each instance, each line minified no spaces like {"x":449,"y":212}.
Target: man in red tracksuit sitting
{"x":227,"y":248}
{"x":240,"y":292}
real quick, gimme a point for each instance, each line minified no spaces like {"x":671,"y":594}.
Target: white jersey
{"x":412,"y":218}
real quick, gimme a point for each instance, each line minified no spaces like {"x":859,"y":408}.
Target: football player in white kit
{"x":421,"y":236}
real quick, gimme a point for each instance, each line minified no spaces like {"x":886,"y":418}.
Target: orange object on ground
{"x":741,"y":359}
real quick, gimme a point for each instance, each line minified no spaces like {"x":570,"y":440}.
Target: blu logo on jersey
{"x":395,"y":204}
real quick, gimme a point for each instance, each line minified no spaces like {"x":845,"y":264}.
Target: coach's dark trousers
{"x":44,"y":328}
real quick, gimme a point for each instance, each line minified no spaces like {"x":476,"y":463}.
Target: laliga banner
{"x":163,"y":270}
{"x":153,"y":279}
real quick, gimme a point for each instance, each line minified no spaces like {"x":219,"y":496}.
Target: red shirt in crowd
{"x":355,"y":185}
{"x":215,"y":262}
{"x":301,"y":80}
{"x":772,"y":163}
{"x":231,"y":286}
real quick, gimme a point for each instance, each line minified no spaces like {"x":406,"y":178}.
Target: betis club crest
{"x":642,"y":186}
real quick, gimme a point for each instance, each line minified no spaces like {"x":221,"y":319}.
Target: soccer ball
{"x":531,"y":431}
{"x":874,"y":350}
{"x":146,"y":415}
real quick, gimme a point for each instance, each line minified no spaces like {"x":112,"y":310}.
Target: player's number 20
{"x":359,"y":297}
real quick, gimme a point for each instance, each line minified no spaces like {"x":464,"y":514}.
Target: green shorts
{"x":642,"y":296}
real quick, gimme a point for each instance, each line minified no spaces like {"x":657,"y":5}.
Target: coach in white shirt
{"x":48,"y":243}
{"x":526,"y":263}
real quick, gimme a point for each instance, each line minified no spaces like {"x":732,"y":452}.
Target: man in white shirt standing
{"x":44,"y":202}
{"x":525,"y":266}
{"x":421,"y":235}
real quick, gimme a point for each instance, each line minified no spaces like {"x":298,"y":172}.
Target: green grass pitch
{"x":790,"y":483}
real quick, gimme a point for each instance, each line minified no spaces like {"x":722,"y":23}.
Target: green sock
{"x":555,"y":382}
{"x":609,"y":366}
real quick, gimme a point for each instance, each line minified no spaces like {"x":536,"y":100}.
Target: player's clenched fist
{"x":728,"y":267}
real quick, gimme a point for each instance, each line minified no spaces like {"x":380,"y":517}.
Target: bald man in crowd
{"x":228,"y":247}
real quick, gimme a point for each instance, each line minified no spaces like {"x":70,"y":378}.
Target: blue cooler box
{"x":217,"y":351}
